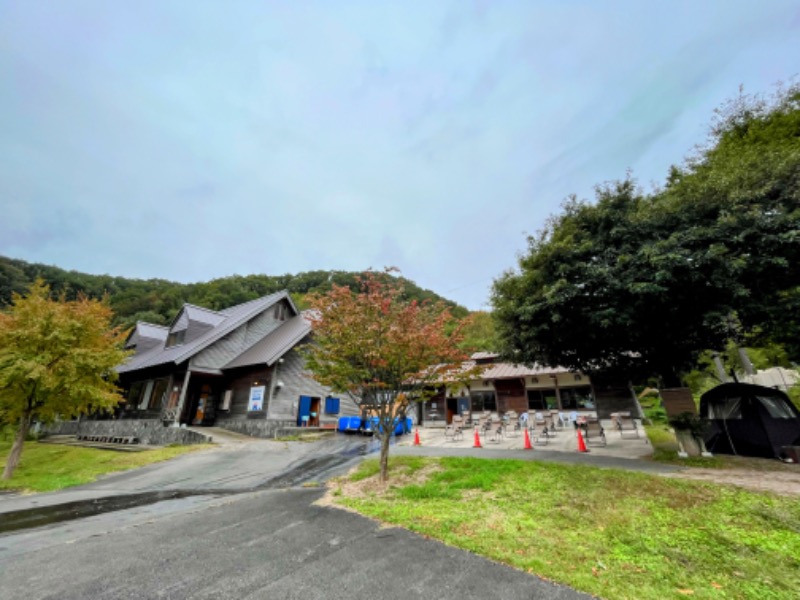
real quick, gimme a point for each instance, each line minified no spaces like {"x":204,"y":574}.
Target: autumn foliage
{"x":57,"y":359}
{"x":383,"y":351}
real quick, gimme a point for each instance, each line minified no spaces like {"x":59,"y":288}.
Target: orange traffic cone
{"x":581,"y":443}
{"x":527,"y":445}
{"x":416,"y":437}
{"x":477,"y":443}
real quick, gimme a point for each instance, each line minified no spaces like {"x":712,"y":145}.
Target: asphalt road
{"x":246,"y":529}
{"x":271,"y":544}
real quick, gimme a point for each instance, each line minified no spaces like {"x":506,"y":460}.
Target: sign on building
{"x":256,"y":402}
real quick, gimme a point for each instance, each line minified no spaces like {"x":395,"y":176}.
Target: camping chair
{"x":626,"y":424}
{"x":458,"y":422}
{"x":545,"y":422}
{"x":553,"y":421}
{"x":452,"y":433}
{"x":496,"y":428}
{"x":538,"y":431}
{"x":511,"y":425}
{"x":594,"y":433}
{"x":573,"y":418}
{"x":484,"y":422}
{"x":467,"y":418}
{"x":531,"y":422}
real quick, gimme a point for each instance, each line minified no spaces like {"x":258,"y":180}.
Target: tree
{"x":480,"y":334}
{"x":383,"y":351}
{"x":57,"y":359}
{"x":643,"y":284}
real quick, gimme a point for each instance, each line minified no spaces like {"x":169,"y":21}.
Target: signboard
{"x":256,"y":402}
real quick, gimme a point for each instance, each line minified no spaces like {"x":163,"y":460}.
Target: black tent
{"x":749,"y":420}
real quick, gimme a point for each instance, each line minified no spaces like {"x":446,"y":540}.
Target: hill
{"x":158,"y":300}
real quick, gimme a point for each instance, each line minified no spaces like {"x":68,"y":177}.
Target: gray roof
{"x":271,"y":347}
{"x":146,"y":335}
{"x":231,"y":318}
{"x":508,"y":371}
{"x":148,"y":330}
{"x":204,"y":315}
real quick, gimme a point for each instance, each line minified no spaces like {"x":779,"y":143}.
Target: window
{"x":480,"y":401}
{"x":776,"y":407}
{"x":542,"y":400}
{"x":158,"y":395}
{"x":577,"y":398}
{"x":135,"y":394}
{"x":280,"y":312}
{"x":176,"y":338}
{"x":726,"y":408}
{"x":331,"y":406}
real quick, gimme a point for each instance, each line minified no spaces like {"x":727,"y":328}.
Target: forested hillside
{"x":158,"y":300}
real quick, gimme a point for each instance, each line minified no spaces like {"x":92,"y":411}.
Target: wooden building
{"x":504,"y":386}
{"x":236,"y":368}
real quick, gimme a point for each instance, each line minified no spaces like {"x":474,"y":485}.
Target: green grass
{"x":49,"y":467}
{"x":665,"y":449}
{"x":610,"y":533}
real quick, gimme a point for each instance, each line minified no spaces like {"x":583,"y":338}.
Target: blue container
{"x":343,"y":424}
{"x":409,"y":424}
{"x":353,"y":423}
{"x":399,"y":427}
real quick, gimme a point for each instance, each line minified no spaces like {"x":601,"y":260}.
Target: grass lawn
{"x":610,"y":533}
{"x":49,"y":467}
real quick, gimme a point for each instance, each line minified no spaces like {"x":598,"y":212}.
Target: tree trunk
{"x":16,"y":448}
{"x":385,"y":439}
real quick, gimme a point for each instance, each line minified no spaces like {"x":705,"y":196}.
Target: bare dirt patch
{"x":783,"y":482}
{"x":372,"y":486}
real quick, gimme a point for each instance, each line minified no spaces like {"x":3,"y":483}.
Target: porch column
{"x":558,"y":392}
{"x":182,"y":399}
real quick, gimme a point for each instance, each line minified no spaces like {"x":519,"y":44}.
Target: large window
{"x":147,"y":395}
{"x":135,"y":395}
{"x":158,"y":395}
{"x":577,"y":398}
{"x":480,"y":401}
{"x":542,"y":400}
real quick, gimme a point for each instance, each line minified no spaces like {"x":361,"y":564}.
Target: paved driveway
{"x":229,"y":543}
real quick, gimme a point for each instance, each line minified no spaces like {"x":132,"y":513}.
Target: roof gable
{"x":204,"y":333}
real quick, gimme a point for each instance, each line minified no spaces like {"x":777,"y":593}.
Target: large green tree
{"x":643,"y":284}
{"x":57,"y":359}
{"x":384,"y":351}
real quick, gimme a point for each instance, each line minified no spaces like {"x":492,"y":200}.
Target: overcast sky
{"x":189,"y":140}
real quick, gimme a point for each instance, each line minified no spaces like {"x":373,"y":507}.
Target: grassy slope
{"x":610,"y":533}
{"x":46,"y":467}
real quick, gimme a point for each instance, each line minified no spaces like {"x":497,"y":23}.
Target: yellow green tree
{"x":57,"y":359}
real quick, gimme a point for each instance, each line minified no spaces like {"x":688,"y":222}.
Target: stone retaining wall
{"x":150,"y":432}
{"x":254,"y":427}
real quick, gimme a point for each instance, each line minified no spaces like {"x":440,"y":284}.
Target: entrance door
{"x":204,"y":410}
{"x":304,"y":411}
{"x":313,"y":413}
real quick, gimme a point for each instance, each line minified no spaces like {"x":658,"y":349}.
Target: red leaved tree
{"x":383,"y":351}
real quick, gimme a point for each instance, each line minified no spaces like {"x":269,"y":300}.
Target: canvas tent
{"x":749,"y":420}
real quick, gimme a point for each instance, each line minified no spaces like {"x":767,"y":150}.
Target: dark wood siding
{"x":240,"y":383}
{"x":511,"y":395}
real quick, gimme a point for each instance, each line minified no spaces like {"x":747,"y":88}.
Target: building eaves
{"x":509,"y":371}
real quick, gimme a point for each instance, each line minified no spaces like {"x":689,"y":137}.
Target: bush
{"x":794,"y":395}
{"x":689,"y":422}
